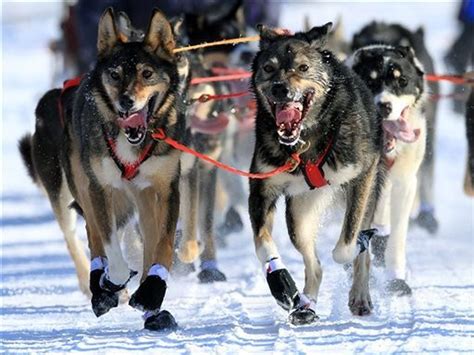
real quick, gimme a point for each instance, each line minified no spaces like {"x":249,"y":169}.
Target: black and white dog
{"x":398,"y":35}
{"x":396,"y":80}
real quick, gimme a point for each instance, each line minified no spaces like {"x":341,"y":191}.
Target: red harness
{"x":68,"y":84}
{"x":129,"y":170}
{"x":313,"y":170}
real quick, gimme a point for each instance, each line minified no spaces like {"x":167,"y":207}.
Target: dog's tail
{"x":25,"y":147}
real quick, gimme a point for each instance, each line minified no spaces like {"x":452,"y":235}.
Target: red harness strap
{"x":129,"y":170}
{"x":68,"y":84}
{"x":313,"y":171}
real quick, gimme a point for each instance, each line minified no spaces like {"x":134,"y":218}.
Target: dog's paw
{"x":232,"y":224}
{"x":302,"y":316}
{"x":181,"y":269}
{"x":283,"y":288}
{"x":163,"y":320}
{"x":149,"y":296}
{"x":188,"y":251}
{"x":398,"y":287}
{"x":102,"y":300}
{"x":427,"y":221}
{"x":211,"y":275}
{"x":360,"y":303}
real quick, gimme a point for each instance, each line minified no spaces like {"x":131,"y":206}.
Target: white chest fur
{"x":108,"y":173}
{"x":296,"y":184}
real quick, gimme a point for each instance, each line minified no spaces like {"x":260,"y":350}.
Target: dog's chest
{"x":154,"y":168}
{"x":111,"y":170}
{"x":297,"y":184}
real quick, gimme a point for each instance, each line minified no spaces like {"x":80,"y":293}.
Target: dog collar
{"x":313,"y":169}
{"x":129,"y":170}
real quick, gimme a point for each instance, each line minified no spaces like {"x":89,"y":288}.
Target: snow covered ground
{"x":42,"y":309}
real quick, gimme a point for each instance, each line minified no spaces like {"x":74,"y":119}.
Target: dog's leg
{"x":46,"y":164}
{"x":188,"y":247}
{"x":109,"y":271}
{"x":302,"y":219}
{"x":262,"y":202}
{"x":67,"y":218}
{"x":360,"y":302}
{"x":233,"y":185}
{"x":403,"y":193}
{"x":381,"y":222}
{"x":158,"y":208}
{"x":358,"y":196}
{"x":207,"y":191}
{"x":426,"y":214}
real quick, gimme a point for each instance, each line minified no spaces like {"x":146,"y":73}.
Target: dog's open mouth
{"x":135,"y":124}
{"x":289,"y":117}
{"x":399,"y":129}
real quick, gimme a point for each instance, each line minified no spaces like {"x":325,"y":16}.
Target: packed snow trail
{"x":44,"y":311}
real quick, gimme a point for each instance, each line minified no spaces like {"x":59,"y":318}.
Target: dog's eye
{"x":147,"y":74}
{"x":269,"y":68}
{"x":114,"y":75}
{"x":303,"y":68}
{"x":402,"y":81}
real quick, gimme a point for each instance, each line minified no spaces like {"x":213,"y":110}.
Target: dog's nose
{"x":280,"y":91}
{"x":126,"y":102}
{"x":384,"y":108}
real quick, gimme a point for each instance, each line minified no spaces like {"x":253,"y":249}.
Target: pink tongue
{"x":135,"y":120}
{"x":287,"y":115}
{"x":400,"y":129}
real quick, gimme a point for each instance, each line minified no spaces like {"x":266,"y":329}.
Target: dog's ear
{"x":338,"y":30}
{"x":177,"y":25}
{"x":318,"y":36}
{"x":107,"y":36}
{"x":267,"y":36}
{"x":403,"y":51}
{"x":354,"y":59}
{"x":124,"y":26}
{"x":160,"y":38}
{"x":420,"y":33}
{"x":420,"y":69}
{"x":409,"y":53}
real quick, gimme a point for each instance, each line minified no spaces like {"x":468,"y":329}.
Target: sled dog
{"x":396,"y":79}
{"x":311,"y":104}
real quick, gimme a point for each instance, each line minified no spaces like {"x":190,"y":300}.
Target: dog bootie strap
{"x":363,"y":240}
{"x":159,"y":270}
{"x":99,"y":263}
{"x":209,"y":265}
{"x":108,"y":285}
{"x":282,"y":286}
